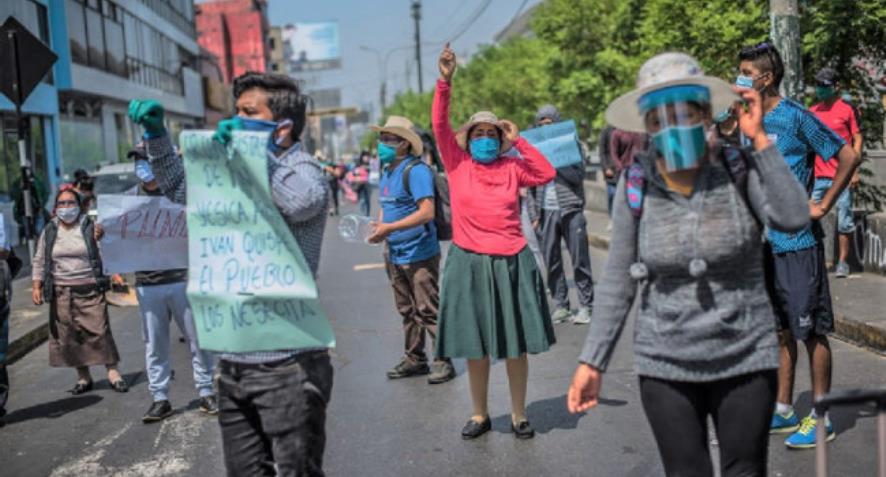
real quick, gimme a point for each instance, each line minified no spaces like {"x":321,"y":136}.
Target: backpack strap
{"x":50,"y":232}
{"x":635,"y":187}
{"x":408,"y":169}
{"x":95,"y":260}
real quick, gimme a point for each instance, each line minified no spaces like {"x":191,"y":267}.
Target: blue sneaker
{"x":805,"y":437}
{"x":784,"y":424}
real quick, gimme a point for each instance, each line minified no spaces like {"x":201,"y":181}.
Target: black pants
{"x":741,"y":408}
{"x":570,"y":225}
{"x":275,"y":413}
{"x":333,"y":189}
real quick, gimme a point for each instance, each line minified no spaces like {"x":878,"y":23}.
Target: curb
{"x":26,"y":343}
{"x":854,"y":331}
{"x":860,"y":333}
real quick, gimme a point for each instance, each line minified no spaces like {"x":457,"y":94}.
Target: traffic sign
{"x":23,"y":53}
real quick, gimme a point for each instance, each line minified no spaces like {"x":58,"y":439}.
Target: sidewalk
{"x":28,"y":324}
{"x":859,"y":301}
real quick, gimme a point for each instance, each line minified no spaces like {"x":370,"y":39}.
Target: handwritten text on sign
{"x":142,"y":233}
{"x":558,"y":142}
{"x":249,"y":285}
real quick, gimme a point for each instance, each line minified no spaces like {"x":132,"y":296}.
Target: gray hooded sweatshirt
{"x":712,"y":323}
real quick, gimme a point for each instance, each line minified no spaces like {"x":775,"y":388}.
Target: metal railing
{"x":149,"y":75}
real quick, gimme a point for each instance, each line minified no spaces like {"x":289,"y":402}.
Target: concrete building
{"x":40,"y":109}
{"x":236,"y":32}
{"x":277,"y":52}
{"x":117,"y":50}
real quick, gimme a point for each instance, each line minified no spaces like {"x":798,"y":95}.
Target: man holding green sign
{"x":256,"y":215}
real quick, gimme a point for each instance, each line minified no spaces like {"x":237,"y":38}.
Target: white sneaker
{"x":560,"y":315}
{"x":842,"y":270}
{"x":583,"y":316}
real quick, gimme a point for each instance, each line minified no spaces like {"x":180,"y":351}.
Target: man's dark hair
{"x":83,"y":180}
{"x":284,"y":97}
{"x":766,"y":58}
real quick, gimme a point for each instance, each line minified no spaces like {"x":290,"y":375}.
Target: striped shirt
{"x":299,"y":191}
{"x":798,"y":135}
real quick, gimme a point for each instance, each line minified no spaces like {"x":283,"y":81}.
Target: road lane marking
{"x":368,"y":266}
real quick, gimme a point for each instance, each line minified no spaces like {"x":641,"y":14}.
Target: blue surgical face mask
{"x":681,"y":146}
{"x":744,"y":81}
{"x":386,"y":154}
{"x":485,"y":149}
{"x":261,"y":125}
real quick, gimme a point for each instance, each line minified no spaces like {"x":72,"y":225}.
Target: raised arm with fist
{"x":446,"y":63}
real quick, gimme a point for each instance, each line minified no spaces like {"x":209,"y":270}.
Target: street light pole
{"x":382,"y":75}
{"x":416,"y":15}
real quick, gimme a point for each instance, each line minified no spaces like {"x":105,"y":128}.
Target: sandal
{"x":120,"y":386}
{"x":81,"y":388}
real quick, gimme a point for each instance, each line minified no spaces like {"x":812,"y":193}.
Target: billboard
{"x":311,"y":46}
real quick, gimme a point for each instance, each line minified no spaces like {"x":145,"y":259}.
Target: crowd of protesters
{"x":697,"y":171}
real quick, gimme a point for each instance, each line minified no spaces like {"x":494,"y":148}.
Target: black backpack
{"x":442,"y":210}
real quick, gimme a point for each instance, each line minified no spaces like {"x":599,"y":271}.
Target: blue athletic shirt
{"x":796,"y":133}
{"x":418,"y":243}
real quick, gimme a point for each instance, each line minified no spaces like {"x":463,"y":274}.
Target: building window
{"x":77,"y":32}
{"x":82,"y":144}
{"x":116,"y":51}
{"x":95,"y":39}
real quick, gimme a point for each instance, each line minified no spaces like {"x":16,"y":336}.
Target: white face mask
{"x":68,"y":215}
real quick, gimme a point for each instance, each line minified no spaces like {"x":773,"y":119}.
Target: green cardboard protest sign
{"x":249,"y":285}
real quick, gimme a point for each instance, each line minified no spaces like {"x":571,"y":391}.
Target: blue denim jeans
{"x":845,"y":221}
{"x":610,"y":195}
{"x":159,"y":304}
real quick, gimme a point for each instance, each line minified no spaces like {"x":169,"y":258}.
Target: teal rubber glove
{"x":226,"y":127}
{"x":148,"y":113}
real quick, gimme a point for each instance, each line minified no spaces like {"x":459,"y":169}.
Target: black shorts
{"x":801,"y":296}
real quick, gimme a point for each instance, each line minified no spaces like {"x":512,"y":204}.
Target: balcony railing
{"x":154,"y":77}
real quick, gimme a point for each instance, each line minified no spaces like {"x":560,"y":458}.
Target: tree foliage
{"x":584,"y":53}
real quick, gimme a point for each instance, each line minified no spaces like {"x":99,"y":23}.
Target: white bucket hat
{"x":402,"y":127}
{"x":662,"y":71}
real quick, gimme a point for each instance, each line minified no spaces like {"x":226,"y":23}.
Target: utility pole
{"x":416,"y":15}
{"x":785,"y":33}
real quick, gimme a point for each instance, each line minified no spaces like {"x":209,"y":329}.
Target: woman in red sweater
{"x":492,"y":303}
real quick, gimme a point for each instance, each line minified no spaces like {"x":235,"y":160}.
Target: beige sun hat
{"x":461,"y":136}
{"x":402,"y":127}
{"x":662,"y":71}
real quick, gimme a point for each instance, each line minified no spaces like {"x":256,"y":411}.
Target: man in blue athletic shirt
{"x":797,"y":274}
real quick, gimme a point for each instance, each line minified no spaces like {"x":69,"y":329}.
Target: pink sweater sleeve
{"x":450,"y":153}
{"x":534,"y":170}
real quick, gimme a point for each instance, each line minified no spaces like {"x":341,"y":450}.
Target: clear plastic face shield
{"x":675,"y":120}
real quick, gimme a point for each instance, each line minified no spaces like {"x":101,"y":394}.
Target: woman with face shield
{"x":67,"y":274}
{"x":687,"y":228}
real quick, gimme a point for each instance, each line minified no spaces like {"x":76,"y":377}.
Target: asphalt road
{"x":378,"y":427}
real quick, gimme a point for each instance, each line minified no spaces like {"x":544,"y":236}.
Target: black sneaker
{"x":442,"y":372}
{"x":408,"y":368}
{"x":159,"y":410}
{"x":474,"y":429}
{"x":209,"y":405}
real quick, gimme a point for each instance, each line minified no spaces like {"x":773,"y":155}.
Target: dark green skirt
{"x":492,"y":306}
